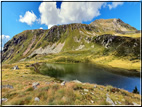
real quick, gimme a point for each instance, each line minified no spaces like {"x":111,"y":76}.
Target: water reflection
{"x":93,"y":74}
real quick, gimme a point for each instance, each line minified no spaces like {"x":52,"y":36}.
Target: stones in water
{"x":63,"y":83}
{"x":7,"y":86}
{"x":35,"y":84}
{"x":15,"y":67}
{"x":37,"y":99}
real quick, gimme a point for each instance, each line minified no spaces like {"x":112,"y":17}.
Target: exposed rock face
{"x":29,"y":47}
{"x":78,"y":36}
{"x":54,"y":34}
{"x":55,"y":48}
{"x":122,"y":45}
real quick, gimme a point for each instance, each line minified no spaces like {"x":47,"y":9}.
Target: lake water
{"x":93,"y":74}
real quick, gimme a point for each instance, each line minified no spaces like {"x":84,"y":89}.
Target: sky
{"x":20,"y":16}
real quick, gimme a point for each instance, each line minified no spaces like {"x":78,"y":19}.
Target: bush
{"x":135,"y":90}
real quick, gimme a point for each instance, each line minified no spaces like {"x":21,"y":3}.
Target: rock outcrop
{"x":72,"y":37}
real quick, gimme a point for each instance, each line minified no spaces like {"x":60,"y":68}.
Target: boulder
{"x":15,"y":67}
{"x":92,"y":93}
{"x":77,"y":81}
{"x":86,"y":90}
{"x":37,"y":99}
{"x":92,"y":101}
{"x":95,"y":86}
{"x":7,"y":86}
{"x":4,"y":99}
{"x":35,"y":84}
{"x":119,"y":102}
{"x":134,"y":103}
{"x":109,"y":101}
{"x":63,"y":83}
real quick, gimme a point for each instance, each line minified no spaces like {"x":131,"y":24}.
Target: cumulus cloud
{"x":4,"y":39}
{"x":114,"y":4}
{"x":70,"y":12}
{"x":28,"y":18}
{"x":49,"y":13}
{"x":40,"y":28}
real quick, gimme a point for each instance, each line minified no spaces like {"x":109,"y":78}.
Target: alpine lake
{"x":90,"y":73}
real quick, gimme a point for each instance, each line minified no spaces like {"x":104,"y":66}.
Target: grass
{"x":53,"y":93}
{"x":135,"y":35}
{"x":72,"y":93}
{"x":98,"y":55}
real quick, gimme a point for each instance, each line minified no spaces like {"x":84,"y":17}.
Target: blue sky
{"x":20,"y":16}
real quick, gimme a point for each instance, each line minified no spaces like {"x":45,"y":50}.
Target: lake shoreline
{"x":51,"y":92}
{"x":113,"y":72}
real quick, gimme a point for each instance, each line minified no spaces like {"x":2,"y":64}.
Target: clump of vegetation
{"x":135,"y":90}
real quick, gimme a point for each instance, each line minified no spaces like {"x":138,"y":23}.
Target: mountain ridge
{"x":76,"y":37}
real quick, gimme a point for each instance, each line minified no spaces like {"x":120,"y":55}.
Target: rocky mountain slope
{"x":104,"y":37}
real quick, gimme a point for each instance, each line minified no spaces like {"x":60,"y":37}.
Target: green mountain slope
{"x":109,"y":38}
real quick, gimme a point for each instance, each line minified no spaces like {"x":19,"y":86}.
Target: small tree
{"x":135,"y":90}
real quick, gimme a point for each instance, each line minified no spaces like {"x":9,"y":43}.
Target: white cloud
{"x":28,"y":18}
{"x":49,"y":26}
{"x":49,"y":13}
{"x":70,"y":12}
{"x":4,"y":39}
{"x":40,"y":28}
{"x":114,"y":4}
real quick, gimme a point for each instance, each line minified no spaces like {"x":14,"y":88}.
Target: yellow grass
{"x":136,"y":35}
{"x":125,"y":64}
{"x":54,"y":93}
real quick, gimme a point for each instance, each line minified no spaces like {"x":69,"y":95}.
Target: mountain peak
{"x":112,"y":25}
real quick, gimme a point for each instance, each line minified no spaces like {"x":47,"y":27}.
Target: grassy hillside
{"x":72,"y":37}
{"x":51,"y":92}
{"x":111,"y":43}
